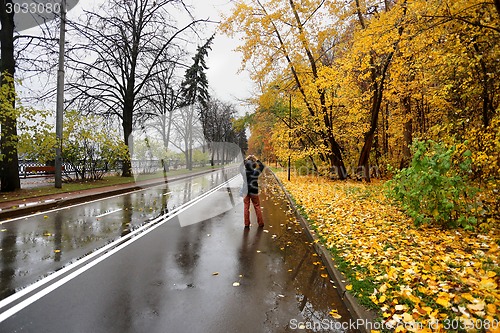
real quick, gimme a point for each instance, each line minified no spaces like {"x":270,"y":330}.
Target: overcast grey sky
{"x":223,"y":61}
{"x":226,"y":83}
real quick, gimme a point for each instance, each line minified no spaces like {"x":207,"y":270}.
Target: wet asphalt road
{"x":196,"y":270}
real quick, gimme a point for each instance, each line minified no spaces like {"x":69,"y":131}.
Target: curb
{"x":10,"y":213}
{"x":358,"y":312}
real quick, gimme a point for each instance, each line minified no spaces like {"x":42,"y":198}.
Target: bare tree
{"x":164,"y":94}
{"x":218,"y":130}
{"x":188,"y":131}
{"x":123,"y":47}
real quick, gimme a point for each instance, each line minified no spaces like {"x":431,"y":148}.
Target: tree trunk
{"x":408,"y":138}
{"x":487,"y":101}
{"x":166,"y":134}
{"x":190,"y":140}
{"x":128,"y":139}
{"x":378,"y":76}
{"x":9,"y":166}
{"x":485,"y":95}
{"x":363,"y":169}
{"x":385,"y":129}
{"x":407,"y":133}
{"x":186,"y":157}
{"x":336,"y":159}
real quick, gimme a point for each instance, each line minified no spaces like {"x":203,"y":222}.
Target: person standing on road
{"x":251,"y":170}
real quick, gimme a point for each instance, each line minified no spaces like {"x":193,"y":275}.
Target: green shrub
{"x":434,"y":189}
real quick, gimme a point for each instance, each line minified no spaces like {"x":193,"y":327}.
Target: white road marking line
{"x":84,"y":203}
{"x":108,"y":213}
{"x":141,"y":232}
{"x":71,"y":206}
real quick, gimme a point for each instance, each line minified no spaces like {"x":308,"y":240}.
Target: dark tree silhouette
{"x":9,"y":165}
{"x":127,"y":41}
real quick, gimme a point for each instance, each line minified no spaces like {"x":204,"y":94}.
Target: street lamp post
{"x":60,"y":98}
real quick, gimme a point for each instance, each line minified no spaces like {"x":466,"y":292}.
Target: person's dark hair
{"x":250,"y":165}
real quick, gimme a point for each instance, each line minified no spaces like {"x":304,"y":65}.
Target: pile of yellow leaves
{"x":424,"y":279}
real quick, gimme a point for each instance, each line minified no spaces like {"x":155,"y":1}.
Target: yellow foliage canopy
{"x":430,"y":62}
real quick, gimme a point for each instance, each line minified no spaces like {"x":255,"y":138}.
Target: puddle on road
{"x":315,"y":293}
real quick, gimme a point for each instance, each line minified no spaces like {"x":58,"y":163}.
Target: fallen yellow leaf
{"x":407,"y":317}
{"x":400,"y":328}
{"x":478,"y":306}
{"x":443,"y":302}
{"x":488,"y":284}
{"x":334,"y":314}
{"x":400,"y":307}
{"x":491,"y":309}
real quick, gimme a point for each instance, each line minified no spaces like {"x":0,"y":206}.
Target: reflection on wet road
{"x":36,"y":246}
{"x":196,"y":271}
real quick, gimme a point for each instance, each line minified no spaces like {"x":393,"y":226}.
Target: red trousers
{"x":256,"y":204}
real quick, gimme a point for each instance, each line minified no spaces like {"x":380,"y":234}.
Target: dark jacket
{"x":251,"y":171}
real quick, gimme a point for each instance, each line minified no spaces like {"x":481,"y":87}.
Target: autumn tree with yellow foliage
{"x":284,"y":56}
{"x":368,"y":77}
